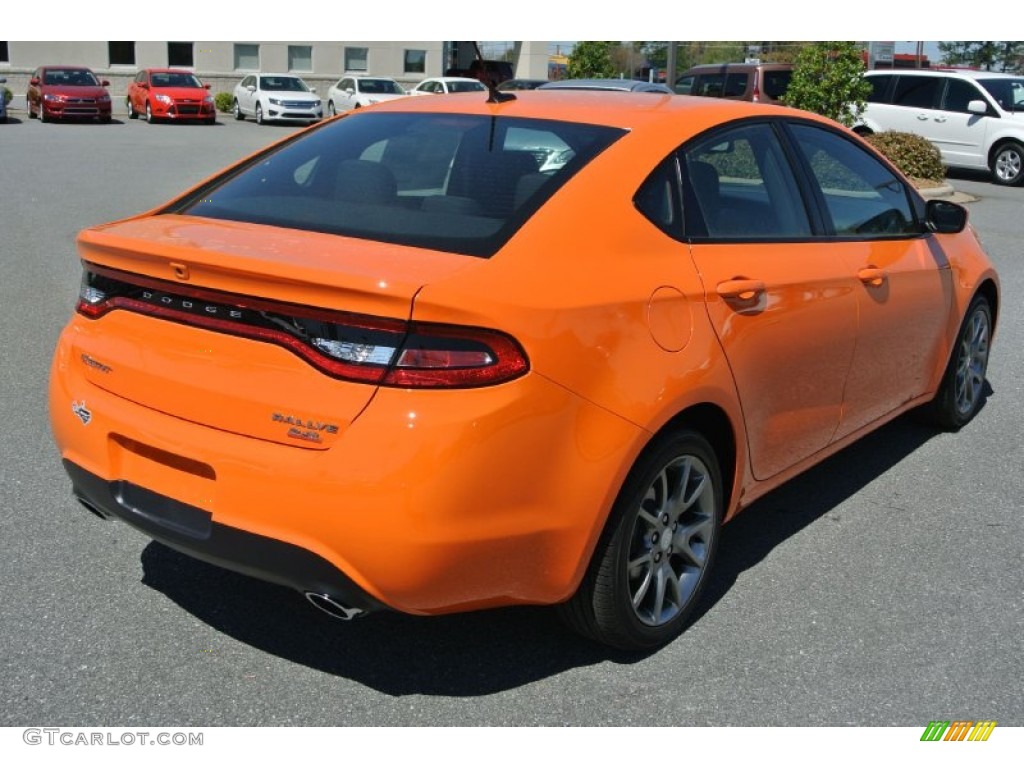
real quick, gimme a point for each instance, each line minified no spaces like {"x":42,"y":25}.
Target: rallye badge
{"x":79,"y":409}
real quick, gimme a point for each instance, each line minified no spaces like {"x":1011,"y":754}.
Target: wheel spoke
{"x":660,"y":584}
{"x":690,"y":541}
{"x":645,"y":584}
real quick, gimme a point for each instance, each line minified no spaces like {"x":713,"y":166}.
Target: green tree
{"x":591,"y":58}
{"x":828,"y":79}
{"x":1005,"y":56}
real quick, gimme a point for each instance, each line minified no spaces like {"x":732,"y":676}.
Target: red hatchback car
{"x":61,"y":92}
{"x":170,"y":94}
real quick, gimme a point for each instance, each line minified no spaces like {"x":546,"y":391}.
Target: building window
{"x":4,"y":55}
{"x":415,"y":61}
{"x":180,"y":55}
{"x":121,"y":54}
{"x":247,"y":56}
{"x":300,"y":58}
{"x":356,"y":59}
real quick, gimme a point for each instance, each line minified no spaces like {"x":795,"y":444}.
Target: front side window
{"x":415,"y":61}
{"x":741,"y":187}
{"x":247,"y":56}
{"x":458,"y":183}
{"x":863,"y":197}
{"x":1009,"y":94}
{"x":959,"y":93}
{"x":357,"y":59}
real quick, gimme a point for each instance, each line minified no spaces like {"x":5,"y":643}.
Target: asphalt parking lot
{"x":884,"y":587}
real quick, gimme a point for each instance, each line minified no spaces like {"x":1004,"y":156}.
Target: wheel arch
{"x":989,"y":290}
{"x":715,"y":426}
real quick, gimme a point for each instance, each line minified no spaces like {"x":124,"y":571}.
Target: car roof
{"x":617,"y":109}
{"x":603,"y":83}
{"x":740,"y":65}
{"x":971,"y":74}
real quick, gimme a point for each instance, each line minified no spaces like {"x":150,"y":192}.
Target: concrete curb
{"x":946,"y":192}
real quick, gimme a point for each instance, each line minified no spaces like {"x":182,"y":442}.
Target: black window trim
{"x":822,"y":228}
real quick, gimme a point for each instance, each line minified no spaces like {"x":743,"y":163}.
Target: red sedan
{"x":60,"y":92}
{"x":170,"y":94}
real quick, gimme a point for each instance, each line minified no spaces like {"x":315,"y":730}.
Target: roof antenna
{"x":494,"y":95}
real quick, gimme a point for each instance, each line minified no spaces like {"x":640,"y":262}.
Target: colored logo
{"x":958,"y":730}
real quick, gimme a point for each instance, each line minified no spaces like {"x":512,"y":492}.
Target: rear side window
{"x":863,"y":197}
{"x":776,"y":82}
{"x":879,"y":88}
{"x":739,"y":185}
{"x":917,"y":91}
{"x":736,"y":84}
{"x":459,"y":183}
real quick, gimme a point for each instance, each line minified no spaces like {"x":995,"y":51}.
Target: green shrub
{"x":914,"y":155}
{"x":224,"y":101}
{"x":8,"y":95}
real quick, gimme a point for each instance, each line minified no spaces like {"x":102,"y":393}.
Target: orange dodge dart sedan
{"x":448,"y":354}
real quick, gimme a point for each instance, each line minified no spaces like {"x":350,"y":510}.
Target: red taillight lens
{"x":362,"y":348}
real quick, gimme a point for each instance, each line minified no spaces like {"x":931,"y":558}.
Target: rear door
{"x":783,"y":306}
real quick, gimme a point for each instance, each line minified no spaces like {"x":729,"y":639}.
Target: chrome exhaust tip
{"x":329,"y":605}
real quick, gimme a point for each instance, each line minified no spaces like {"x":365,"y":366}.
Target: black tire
{"x":651,"y":563}
{"x":42,"y":113}
{"x":237,"y":111}
{"x":259,"y":114}
{"x":962,"y":391}
{"x":1007,"y":164}
{"x":149,"y":114}
{"x":330,"y":108}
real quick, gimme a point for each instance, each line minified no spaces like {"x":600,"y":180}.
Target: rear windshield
{"x":459,"y":183}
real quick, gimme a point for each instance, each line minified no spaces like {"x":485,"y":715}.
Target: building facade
{"x":223,"y":64}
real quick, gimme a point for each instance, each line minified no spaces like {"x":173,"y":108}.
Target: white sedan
{"x":433,"y":86}
{"x":353,"y":92}
{"x":270,"y":97}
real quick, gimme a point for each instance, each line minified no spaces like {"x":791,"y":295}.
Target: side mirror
{"x":944,"y":217}
{"x":977,"y":107}
{"x":206,"y":86}
{"x":251,"y":88}
{"x":34,"y":81}
{"x":105,"y":83}
{"x":350,"y":91}
{"x":144,"y":86}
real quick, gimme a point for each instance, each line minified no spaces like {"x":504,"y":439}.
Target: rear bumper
{"x":192,"y":531}
{"x":429,"y":502}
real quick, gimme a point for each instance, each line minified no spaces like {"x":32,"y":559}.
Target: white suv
{"x":976,"y":119}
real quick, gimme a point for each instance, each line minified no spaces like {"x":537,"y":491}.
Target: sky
{"x":532,"y":20}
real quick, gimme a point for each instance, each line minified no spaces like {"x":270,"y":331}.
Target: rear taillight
{"x":345,"y":345}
